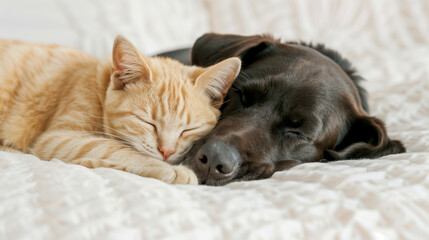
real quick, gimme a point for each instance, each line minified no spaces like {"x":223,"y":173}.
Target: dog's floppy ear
{"x":212,"y":48}
{"x":366,"y":138}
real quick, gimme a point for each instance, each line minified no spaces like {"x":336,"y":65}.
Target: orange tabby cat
{"x":134,"y":113}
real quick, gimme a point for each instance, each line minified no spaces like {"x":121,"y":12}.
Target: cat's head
{"x":159,"y":106}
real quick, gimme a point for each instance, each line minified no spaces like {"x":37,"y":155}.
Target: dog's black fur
{"x":292,"y":103}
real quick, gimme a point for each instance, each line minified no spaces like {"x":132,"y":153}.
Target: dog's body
{"x":292,"y":103}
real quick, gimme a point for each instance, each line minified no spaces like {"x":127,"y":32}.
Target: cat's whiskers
{"x":114,"y":136}
{"x":246,"y":75}
{"x":122,"y":140}
{"x":103,"y":125}
{"x":95,"y":116}
{"x":123,"y":146}
{"x":125,"y":141}
{"x":125,"y":136}
{"x":226,"y":101}
{"x":91,"y":133}
{"x":116,"y":130}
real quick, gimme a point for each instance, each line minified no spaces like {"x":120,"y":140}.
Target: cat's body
{"x":129,"y":113}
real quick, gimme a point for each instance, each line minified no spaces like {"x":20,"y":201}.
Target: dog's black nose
{"x":218,"y":159}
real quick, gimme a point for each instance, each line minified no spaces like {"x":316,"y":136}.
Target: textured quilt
{"x":386,"y":198}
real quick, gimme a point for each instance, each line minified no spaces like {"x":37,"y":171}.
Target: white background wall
{"x":91,"y":25}
{"x":156,"y":25}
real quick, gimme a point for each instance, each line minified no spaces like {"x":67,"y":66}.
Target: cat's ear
{"x":216,"y":80}
{"x":128,"y":64}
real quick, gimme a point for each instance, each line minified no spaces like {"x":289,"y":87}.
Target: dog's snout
{"x":218,"y":159}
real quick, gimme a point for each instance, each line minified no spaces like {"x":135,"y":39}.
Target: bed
{"x":385,"y":198}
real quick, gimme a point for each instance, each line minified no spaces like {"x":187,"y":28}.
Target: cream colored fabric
{"x":387,"y":198}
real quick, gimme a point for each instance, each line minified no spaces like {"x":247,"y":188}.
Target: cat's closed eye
{"x":189,"y":130}
{"x":198,"y":130}
{"x":146,"y":122}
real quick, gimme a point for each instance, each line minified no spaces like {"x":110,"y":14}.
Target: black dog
{"x":292,"y":103}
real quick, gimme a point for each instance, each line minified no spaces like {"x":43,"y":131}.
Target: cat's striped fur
{"x":132,"y":113}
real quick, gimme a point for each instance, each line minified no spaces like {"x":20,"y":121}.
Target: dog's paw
{"x":184,"y":175}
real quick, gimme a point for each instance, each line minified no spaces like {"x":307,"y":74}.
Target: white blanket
{"x":386,"y":198}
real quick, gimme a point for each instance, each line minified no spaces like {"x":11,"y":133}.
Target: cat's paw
{"x":168,"y":174}
{"x":184,"y":175}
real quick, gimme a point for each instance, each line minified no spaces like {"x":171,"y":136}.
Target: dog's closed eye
{"x":291,"y":133}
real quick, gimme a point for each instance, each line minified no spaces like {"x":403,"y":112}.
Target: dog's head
{"x":292,"y":103}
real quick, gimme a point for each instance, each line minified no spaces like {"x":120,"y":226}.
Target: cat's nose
{"x":165,"y":152}
{"x":217,"y":159}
